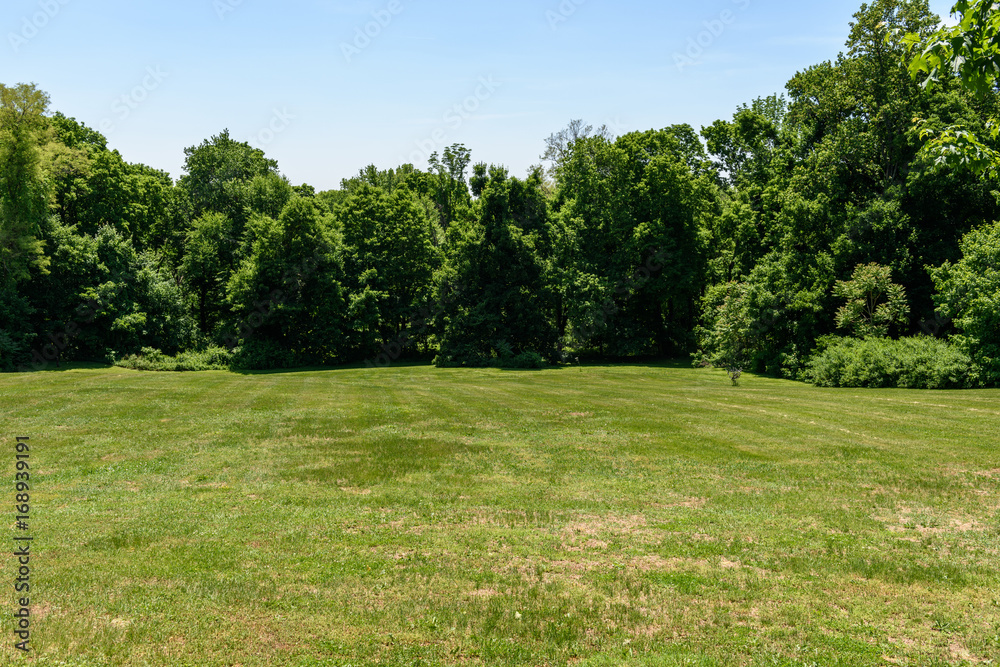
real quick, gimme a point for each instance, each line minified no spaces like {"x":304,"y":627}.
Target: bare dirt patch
{"x":485,"y":593}
{"x":594,"y":525}
{"x":654,"y":563}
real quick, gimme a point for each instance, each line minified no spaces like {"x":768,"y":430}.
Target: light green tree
{"x":969,"y":51}
{"x":451,"y":191}
{"x":969,"y":294}
{"x":874,"y":302}
{"x":24,"y":194}
{"x":224,"y":176}
{"x":389,"y":261}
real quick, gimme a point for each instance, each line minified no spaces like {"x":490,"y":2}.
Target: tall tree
{"x":559,"y":145}
{"x":287,"y":296}
{"x":451,"y":191}
{"x":220,"y":176}
{"x":389,"y":259}
{"x":24,"y":192}
{"x":209,"y":258}
{"x":635,"y":210}
{"x":495,"y":302}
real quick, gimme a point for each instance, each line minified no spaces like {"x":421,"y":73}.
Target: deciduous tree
{"x":24,"y":191}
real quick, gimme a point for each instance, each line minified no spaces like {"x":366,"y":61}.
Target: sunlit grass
{"x":603,"y":515}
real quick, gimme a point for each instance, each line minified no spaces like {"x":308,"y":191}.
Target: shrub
{"x":763,"y":324}
{"x":524,"y":360}
{"x":920,"y":362}
{"x":262,"y":355}
{"x":468,"y":356}
{"x":151,"y":359}
{"x":462,"y":354}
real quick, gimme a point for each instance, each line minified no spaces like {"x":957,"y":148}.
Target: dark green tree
{"x":102,"y":299}
{"x":495,"y":302}
{"x":287,"y":299}
{"x":837,"y":182}
{"x":209,"y":260}
{"x":629,"y":244}
{"x":222,"y":177}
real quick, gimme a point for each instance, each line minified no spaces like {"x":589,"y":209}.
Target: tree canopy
{"x":763,"y":241}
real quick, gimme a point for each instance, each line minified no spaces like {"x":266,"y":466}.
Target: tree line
{"x":806,"y":236}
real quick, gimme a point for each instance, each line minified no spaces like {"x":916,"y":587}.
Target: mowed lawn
{"x":595,"y":515}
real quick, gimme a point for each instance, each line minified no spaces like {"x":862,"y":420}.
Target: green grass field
{"x":596,"y":515}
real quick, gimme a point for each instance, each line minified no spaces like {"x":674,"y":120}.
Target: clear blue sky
{"x":296,"y":79}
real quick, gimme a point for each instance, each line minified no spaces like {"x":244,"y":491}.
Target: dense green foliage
{"x":919,"y":362}
{"x":502,"y":303}
{"x":874,"y":302}
{"x":969,"y":292}
{"x":806,"y":215}
{"x":23,"y":187}
{"x":969,"y":51}
{"x":151,"y":359}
